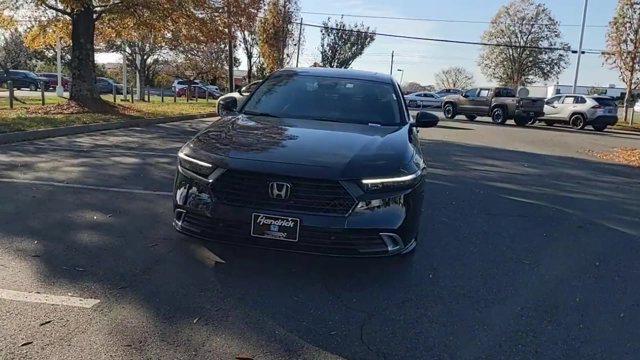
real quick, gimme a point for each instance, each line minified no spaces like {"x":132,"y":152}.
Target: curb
{"x":14,"y":137}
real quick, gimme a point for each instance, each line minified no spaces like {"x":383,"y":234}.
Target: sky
{"x":420,"y":60}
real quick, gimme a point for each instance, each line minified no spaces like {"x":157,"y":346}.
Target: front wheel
{"x":498,"y":116}
{"x":577,"y":122}
{"x":449,"y":111}
{"x":412,"y":104}
{"x":599,"y":127}
{"x":33,"y":87}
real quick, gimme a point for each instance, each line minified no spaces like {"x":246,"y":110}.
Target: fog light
{"x":393,"y":241}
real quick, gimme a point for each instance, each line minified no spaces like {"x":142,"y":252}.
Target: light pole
{"x":584,"y":17}
{"x":59,"y":88}
{"x":401,"y":75}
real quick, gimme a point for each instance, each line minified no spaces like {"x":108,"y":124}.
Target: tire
{"x":521,"y":121}
{"x":33,"y":87}
{"x":549,"y":123}
{"x":412,"y":104}
{"x":218,"y":109}
{"x":470,"y":117}
{"x":449,"y":111}
{"x":599,"y":127}
{"x":498,"y":116}
{"x":577,"y":121}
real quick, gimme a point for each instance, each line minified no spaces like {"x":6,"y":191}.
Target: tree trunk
{"x":83,"y":73}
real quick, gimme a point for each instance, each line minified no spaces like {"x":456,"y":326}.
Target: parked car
{"x":500,"y":103}
{"x":316,"y":160}
{"x":423,"y":99}
{"x":239,"y":96}
{"x":106,"y":85}
{"x":581,"y":110}
{"x":23,"y":79}
{"x":179,"y":84}
{"x":53,"y":80}
{"x":444,"y":92}
{"x":198,"y":90}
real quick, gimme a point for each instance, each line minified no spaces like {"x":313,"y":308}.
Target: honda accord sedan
{"x":315,"y":160}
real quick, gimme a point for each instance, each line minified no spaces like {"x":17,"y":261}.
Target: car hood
{"x":310,"y":147}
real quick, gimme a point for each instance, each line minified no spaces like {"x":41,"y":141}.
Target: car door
{"x":465,"y":105}
{"x":552,"y":108}
{"x":428,"y":100}
{"x":566,"y":107}
{"x":19,"y":79}
{"x":482,"y":102}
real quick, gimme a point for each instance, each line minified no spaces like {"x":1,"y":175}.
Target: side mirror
{"x":227,"y":105}
{"x":426,"y":119}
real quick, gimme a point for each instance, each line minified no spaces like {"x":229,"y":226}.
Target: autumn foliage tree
{"x":526,"y":28}
{"x":277,"y":33}
{"x":341,"y":43}
{"x":623,"y":46}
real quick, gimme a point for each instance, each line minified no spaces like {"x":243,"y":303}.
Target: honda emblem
{"x":279,"y":190}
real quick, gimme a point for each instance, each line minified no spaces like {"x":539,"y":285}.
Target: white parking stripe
{"x":47,"y":299}
{"x":88,"y":187}
{"x":87,"y":149}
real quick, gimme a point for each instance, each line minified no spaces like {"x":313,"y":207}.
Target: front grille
{"x":311,"y":239}
{"x":249,"y":189}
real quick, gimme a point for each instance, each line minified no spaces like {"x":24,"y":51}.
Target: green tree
{"x":526,"y":26}
{"x":623,"y":47}
{"x":341,"y":44}
{"x":277,"y":33}
{"x":455,"y":77}
{"x":14,"y":54}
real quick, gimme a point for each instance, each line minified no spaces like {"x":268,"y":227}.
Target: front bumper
{"x":388,"y":230}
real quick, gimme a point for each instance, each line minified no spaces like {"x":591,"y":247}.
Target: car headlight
{"x":198,"y":167}
{"x":391,"y":183}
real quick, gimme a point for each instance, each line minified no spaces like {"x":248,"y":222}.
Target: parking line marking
{"x":86,"y":149}
{"x":47,"y":299}
{"x":87,"y":187}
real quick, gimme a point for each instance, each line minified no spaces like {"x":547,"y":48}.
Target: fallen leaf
{"x":196,"y":320}
{"x":26,"y":343}
{"x":240,"y":357}
{"x":154,"y":244}
{"x":46,"y":322}
{"x":79,"y":269}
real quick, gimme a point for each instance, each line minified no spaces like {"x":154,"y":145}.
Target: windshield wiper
{"x":257,"y":113}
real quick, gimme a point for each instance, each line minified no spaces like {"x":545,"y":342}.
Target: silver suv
{"x":580,"y":111}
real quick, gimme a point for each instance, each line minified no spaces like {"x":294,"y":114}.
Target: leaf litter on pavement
{"x":627,"y":156}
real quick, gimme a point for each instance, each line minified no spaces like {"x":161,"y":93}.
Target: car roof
{"x":339,"y":73}
{"x":587,"y":96}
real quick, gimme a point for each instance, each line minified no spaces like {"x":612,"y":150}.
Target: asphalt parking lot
{"x":529,"y":249}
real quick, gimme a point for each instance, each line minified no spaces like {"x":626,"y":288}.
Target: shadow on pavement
{"x":521,"y":255}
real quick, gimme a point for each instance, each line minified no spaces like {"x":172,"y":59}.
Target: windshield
{"x":324,"y":98}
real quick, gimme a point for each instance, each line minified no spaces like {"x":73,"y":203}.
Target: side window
{"x":427,"y":95}
{"x":553,"y":100}
{"x":569,"y":100}
{"x":483,"y":93}
{"x":580,"y":100}
{"x":470,"y":93}
{"x":505,"y":92}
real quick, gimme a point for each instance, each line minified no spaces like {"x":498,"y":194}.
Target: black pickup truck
{"x":500,"y":103}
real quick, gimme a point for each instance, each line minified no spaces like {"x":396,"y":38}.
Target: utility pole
{"x":139,"y":92}
{"x":584,"y":18}
{"x":391,"y":69}
{"x":124,"y":76}
{"x":59,"y":88}
{"x":299,"y":40}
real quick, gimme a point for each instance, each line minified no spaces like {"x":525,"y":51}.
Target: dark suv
{"x":23,"y":79}
{"x":315,"y":160}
